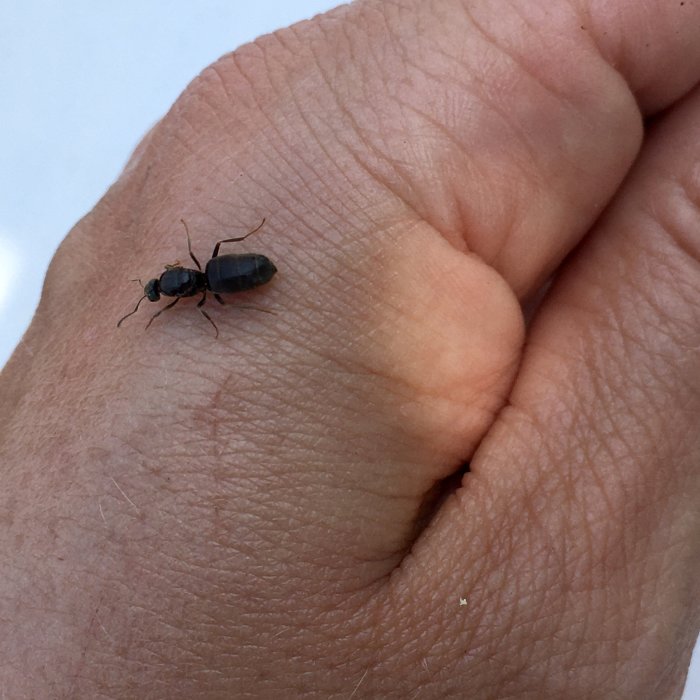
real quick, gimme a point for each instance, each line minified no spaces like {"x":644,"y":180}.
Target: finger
{"x":576,"y":534}
{"x":507,"y":128}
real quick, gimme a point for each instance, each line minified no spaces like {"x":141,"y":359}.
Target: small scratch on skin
{"x":358,"y":685}
{"x":99,"y":505}
{"x":104,"y":629}
{"x":121,"y":491}
{"x":415,"y":695}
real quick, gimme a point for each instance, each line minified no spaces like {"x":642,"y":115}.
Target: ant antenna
{"x":136,"y":308}
{"x":257,"y":228}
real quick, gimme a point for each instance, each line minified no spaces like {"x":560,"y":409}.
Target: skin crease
{"x":258,"y":516}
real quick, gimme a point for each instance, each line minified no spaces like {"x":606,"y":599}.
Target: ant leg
{"x":235,"y":240}
{"x":189,"y":246}
{"x":131,"y":313}
{"x":205,"y":314}
{"x":158,"y":313}
{"x":219,"y":299}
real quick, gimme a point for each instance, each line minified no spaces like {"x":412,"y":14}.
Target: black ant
{"x":223,"y":274}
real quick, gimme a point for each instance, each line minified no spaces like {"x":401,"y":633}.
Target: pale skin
{"x":261,"y":515}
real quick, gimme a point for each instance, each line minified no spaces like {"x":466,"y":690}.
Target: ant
{"x":223,"y":274}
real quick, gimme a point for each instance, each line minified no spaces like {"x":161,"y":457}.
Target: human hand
{"x":262,"y":515}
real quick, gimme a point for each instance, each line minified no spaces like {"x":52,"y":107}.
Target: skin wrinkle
{"x":610,"y":507}
{"x":558,"y":95}
{"x":358,"y":131}
{"x":642,"y":386}
{"x":395,"y":48}
{"x":690,"y":195}
{"x":491,"y":40}
{"x":408,"y":62}
{"x":468,"y":643}
{"x":317,"y":140}
{"x":633,"y":332}
{"x":372,"y":172}
{"x":404,"y":178}
{"x":280,"y":153}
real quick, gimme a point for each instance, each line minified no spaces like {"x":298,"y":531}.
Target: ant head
{"x":152,"y":290}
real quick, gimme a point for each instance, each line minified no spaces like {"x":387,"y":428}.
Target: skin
{"x":283,"y":512}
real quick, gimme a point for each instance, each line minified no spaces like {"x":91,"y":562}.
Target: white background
{"x":80,"y":83}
